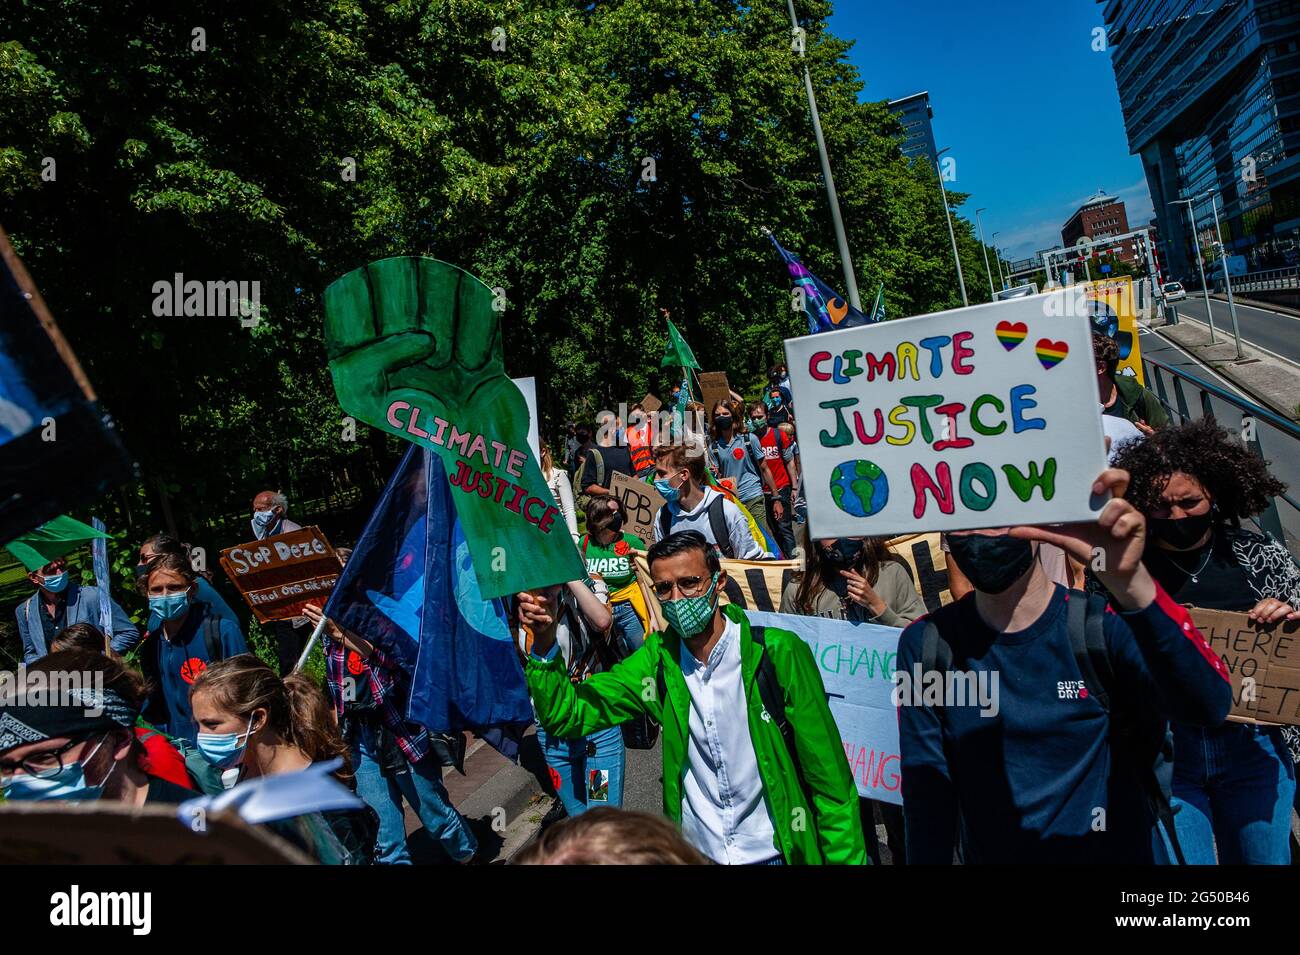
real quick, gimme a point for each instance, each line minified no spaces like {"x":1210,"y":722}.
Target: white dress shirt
{"x":724,"y":814}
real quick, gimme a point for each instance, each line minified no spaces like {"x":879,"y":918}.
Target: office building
{"x":914,"y":113}
{"x":1210,"y":91}
{"x":1099,"y":216}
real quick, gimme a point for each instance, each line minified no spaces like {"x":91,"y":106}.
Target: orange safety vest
{"x":638,"y":443}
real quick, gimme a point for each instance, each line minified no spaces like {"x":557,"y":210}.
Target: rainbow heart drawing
{"x":1050,"y":353}
{"x":1011,"y":334}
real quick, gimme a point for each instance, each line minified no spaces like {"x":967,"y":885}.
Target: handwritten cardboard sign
{"x":976,"y":417}
{"x":280,"y":575}
{"x":1262,"y":662}
{"x":651,"y":404}
{"x":714,"y":388}
{"x":640,"y":502}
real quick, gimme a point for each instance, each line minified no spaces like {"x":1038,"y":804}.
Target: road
{"x":1282,"y":453}
{"x":1272,"y":331}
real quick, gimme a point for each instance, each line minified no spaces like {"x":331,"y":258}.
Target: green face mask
{"x":689,"y":615}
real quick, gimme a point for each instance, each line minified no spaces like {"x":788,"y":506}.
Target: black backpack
{"x":1131,"y":738}
{"x":717,"y":523}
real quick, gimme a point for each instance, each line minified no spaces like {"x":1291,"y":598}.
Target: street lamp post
{"x":997,"y":254}
{"x":1197,"y":245}
{"x":987,"y":270}
{"x":841,"y":239}
{"x":947,"y":214}
{"x":1223,"y":259}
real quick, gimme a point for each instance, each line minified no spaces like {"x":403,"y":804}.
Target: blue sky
{"x":1028,"y":107}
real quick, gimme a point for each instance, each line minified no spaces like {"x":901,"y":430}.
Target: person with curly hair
{"x":1233,"y":784}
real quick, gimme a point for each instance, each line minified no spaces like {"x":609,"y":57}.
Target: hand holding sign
{"x":415,"y":350}
{"x":1112,"y":545}
{"x":1270,"y":610}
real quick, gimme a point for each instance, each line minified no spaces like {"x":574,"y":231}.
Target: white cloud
{"x":1023,"y":242}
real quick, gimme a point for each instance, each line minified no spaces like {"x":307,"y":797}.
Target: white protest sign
{"x":528,"y":388}
{"x":856,"y":662}
{"x":977,"y":417}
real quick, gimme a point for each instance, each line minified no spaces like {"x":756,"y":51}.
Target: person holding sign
{"x":190,"y":637}
{"x":1010,"y":743}
{"x":754,"y":769}
{"x":1234,"y":783}
{"x":607,"y":549}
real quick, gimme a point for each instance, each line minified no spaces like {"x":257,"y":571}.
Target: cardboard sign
{"x":1262,"y":662}
{"x":1118,"y":295}
{"x":280,"y":575}
{"x":714,"y":388}
{"x":110,"y":833}
{"x":651,"y":404}
{"x":977,"y":417}
{"x":640,"y":502}
{"x":857,"y":666}
{"x":929,"y":564}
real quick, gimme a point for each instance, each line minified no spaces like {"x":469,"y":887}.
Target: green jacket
{"x":1137,"y":403}
{"x":830,"y":831}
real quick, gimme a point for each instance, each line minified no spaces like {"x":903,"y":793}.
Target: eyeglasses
{"x":39,"y":765}
{"x":686,"y":586}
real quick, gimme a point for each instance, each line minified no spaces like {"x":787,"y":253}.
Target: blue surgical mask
{"x":223,"y":750}
{"x":55,"y":583}
{"x":669,"y":492}
{"x":171,"y":606}
{"x":263,"y":518}
{"x":68,"y":785}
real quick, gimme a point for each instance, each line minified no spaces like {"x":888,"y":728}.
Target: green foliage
{"x":528,"y":166}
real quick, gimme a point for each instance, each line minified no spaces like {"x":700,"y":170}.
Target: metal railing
{"x":1164,"y":380}
{"x":1265,"y":281}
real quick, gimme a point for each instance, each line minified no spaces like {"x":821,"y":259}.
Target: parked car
{"x":1174,"y":292}
{"x":1020,"y":291}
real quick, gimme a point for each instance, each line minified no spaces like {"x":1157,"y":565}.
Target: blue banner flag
{"x":410,"y":589}
{"x":825,"y":309}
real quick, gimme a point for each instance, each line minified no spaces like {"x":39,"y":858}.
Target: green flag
{"x":51,"y":541}
{"x":678,"y":353}
{"x":414,"y":347}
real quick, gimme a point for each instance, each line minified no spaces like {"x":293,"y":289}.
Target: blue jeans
{"x":1233,"y":790}
{"x":627,"y":626}
{"x":422,"y":787}
{"x":582,"y":781}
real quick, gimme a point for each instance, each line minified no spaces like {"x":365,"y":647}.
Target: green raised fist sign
{"x":414,"y":347}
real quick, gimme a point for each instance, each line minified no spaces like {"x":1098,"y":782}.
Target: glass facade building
{"x":914,"y":113}
{"x":1210,"y":91}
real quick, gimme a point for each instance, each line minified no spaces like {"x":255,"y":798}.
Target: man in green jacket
{"x":1123,"y":395}
{"x":730,"y":776}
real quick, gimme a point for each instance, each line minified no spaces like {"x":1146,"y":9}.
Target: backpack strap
{"x":936,"y":655}
{"x":584,"y":544}
{"x":212,"y":636}
{"x":599,"y":458}
{"x":1085,"y":614}
{"x":718,"y":522}
{"x":755,"y":459}
{"x":665,"y":521}
{"x":773,"y":697}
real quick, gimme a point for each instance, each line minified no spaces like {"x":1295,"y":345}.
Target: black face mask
{"x":723,"y":422}
{"x":1182,"y":533}
{"x":616,"y":525}
{"x":843,"y":554}
{"x":992,"y":563}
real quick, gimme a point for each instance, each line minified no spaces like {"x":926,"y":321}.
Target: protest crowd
{"x":1105,"y":737}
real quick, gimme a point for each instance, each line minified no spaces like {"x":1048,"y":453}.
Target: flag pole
{"x":311,"y":642}
{"x":846,"y":263}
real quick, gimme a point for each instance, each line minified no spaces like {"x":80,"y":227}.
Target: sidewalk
{"x":504,"y":803}
{"x":1269,"y":380}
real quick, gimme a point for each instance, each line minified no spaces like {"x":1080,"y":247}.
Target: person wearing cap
{"x":84,"y":743}
{"x":59,"y":601}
